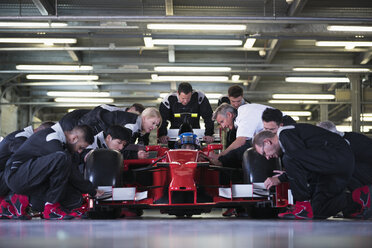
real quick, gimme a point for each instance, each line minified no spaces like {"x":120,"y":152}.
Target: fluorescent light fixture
{"x":304,"y":96}
{"x":208,"y":95}
{"x":55,"y":67}
{"x":164,"y":94}
{"x":367,"y":114}
{"x":64,"y":83}
{"x":191,"y":42}
{"x":227,"y":27}
{"x":296,"y":118}
{"x":367,"y":118}
{"x":84,"y":100}
{"x":76,"y":104}
{"x":363,"y":117}
{"x":78,"y":93}
{"x":349,"y":28}
{"x":61,"y":77}
{"x":344,"y":128}
{"x":213,"y":95}
{"x":312,"y":69}
{"x":319,"y":80}
{"x":297,"y":113}
{"x":235,"y":78}
{"x":249,"y":43}
{"x":156,"y":77}
{"x":70,"y":110}
{"x":32,"y":24}
{"x":346,"y":44}
{"x":213,"y":101}
{"x":294,"y":101}
{"x":48,"y":41}
{"x":148,"y":42}
{"x":191,"y":69}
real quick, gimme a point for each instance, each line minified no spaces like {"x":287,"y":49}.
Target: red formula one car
{"x":179,"y":182}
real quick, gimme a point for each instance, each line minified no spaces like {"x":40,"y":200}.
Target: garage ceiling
{"x":110,"y":36}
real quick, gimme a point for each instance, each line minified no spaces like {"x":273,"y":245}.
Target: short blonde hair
{"x":152,"y":112}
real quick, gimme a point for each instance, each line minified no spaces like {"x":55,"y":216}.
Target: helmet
{"x":187,"y":138}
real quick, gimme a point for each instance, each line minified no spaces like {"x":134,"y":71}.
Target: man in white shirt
{"x":247,"y":120}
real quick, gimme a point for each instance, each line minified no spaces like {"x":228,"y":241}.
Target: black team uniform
{"x":8,"y":146}
{"x":71,"y":120}
{"x":101,"y":118}
{"x":361,"y":147}
{"x":42,"y":169}
{"x":312,"y":153}
{"x":199,"y":104}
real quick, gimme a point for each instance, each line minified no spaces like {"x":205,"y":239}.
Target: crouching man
{"x":311,"y":154}
{"x":42,"y":167}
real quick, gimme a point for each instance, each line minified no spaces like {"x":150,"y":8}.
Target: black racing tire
{"x":263,"y":212}
{"x":113,"y":213}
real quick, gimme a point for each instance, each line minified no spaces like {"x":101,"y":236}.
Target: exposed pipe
{"x":196,"y":19}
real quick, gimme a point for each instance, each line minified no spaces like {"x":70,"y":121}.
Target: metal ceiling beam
{"x":10,"y":79}
{"x":74,"y":56}
{"x":45,"y":7}
{"x":363,"y":58}
{"x":296,"y":7}
{"x":253,"y":84}
{"x":198,"y":19}
{"x":143,"y":48}
{"x":168,"y":7}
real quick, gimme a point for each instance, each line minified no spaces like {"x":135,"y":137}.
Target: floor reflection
{"x":160,"y":232}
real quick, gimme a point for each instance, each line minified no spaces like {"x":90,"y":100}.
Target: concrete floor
{"x":209,"y":230}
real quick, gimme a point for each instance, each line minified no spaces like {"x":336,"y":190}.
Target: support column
{"x":323,"y":112}
{"x":355,"y":102}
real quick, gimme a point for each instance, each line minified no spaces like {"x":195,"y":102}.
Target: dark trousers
{"x":362,"y":175}
{"x":234,"y":159}
{"x":329,"y":171}
{"x":70,"y":199}
{"x":4,"y":189}
{"x":46,"y":175}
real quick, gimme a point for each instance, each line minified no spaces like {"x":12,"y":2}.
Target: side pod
{"x":257,"y":168}
{"x":104,"y":167}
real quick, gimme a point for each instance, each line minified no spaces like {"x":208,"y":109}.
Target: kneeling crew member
{"x":43,"y":165}
{"x":310,"y":152}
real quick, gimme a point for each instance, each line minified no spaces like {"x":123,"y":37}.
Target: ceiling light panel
{"x":156,"y":77}
{"x":78,"y":94}
{"x":194,"y":42}
{"x":235,"y":78}
{"x":249,"y":43}
{"x":32,"y":24}
{"x":191,"y":69}
{"x":84,"y":100}
{"x":297,"y":113}
{"x":346,"y":44}
{"x":304,"y":96}
{"x":310,"y":69}
{"x":227,"y":27}
{"x":55,"y":67}
{"x":319,"y":80}
{"x":293,"y":101}
{"x":213,"y":95}
{"x":39,"y":40}
{"x":349,"y":28}
{"x":61,"y":77}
